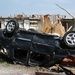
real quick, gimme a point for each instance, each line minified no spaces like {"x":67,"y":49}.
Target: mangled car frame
{"x":35,"y":48}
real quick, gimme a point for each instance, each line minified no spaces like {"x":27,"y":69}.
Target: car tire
{"x":69,"y":39}
{"x":32,"y":30}
{"x":12,"y":26}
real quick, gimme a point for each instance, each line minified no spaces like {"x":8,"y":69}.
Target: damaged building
{"x":25,"y":22}
{"x":43,"y":23}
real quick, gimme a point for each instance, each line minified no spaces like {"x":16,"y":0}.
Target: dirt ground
{"x":11,"y":69}
{"x":19,"y":69}
{"x":8,"y":68}
{"x":16,"y":69}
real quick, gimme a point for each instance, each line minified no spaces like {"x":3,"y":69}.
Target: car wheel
{"x":12,"y":26}
{"x":69,"y":39}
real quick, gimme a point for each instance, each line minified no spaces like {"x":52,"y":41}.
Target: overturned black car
{"x":35,"y":48}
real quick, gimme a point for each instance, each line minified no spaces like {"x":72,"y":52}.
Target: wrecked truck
{"x":35,"y":48}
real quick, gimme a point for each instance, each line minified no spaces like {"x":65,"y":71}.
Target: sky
{"x":40,"y":7}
